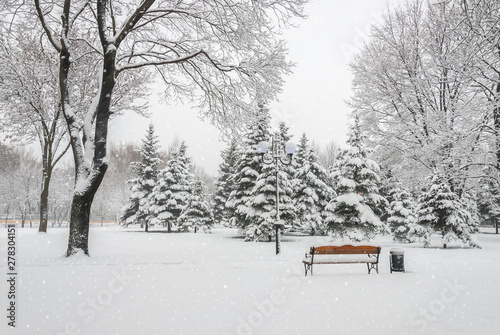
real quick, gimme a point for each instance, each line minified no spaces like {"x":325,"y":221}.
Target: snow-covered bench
{"x":344,"y":254}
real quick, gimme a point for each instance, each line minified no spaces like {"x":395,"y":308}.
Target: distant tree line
{"x":20,"y":181}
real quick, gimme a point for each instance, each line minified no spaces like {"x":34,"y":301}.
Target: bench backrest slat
{"x":344,"y":249}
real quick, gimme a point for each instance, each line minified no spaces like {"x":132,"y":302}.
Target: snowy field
{"x":157,"y":283}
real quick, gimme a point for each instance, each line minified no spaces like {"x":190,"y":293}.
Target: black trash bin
{"x":397,"y":259}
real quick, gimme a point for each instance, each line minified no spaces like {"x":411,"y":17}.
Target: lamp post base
{"x":277,"y":239}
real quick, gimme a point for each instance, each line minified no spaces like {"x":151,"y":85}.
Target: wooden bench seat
{"x":345,"y":254}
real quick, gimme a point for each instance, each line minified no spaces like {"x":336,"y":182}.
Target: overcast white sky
{"x":313,"y":99}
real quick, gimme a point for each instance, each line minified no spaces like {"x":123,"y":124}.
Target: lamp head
{"x":262,"y":147}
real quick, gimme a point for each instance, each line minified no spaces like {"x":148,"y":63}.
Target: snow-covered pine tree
{"x":197,"y":213}
{"x":225,"y":184}
{"x":334,"y":169}
{"x":299,"y":159}
{"x":283,"y":132}
{"x":138,"y":208}
{"x":312,"y":191}
{"x":401,"y":215}
{"x":130,"y":209}
{"x":352,"y":213}
{"x":248,"y":168}
{"x":387,"y":185}
{"x":170,"y":195}
{"x":441,"y":210}
{"x":302,"y":152}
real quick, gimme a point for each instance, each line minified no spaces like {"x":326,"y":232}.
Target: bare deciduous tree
{"x":28,"y":97}
{"x":29,"y":91}
{"x":414,"y":92}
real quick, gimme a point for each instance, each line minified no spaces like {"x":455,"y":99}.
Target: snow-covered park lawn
{"x":158,"y":283}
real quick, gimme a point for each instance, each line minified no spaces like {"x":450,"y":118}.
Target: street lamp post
{"x":280,"y":152}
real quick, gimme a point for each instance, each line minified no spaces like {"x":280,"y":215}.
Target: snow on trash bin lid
{"x":396,"y":251}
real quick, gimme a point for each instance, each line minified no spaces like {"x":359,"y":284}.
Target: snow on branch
{"x":165,"y":61}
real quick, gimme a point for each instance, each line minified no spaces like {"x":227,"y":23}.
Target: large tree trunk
{"x":82,"y":199}
{"x":44,"y":203}
{"x":79,"y":223}
{"x":91,"y":177}
{"x":46,"y":177}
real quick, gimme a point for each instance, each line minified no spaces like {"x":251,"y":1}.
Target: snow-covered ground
{"x":158,"y":283}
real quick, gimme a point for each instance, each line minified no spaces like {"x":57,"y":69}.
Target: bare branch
{"x":45,"y":26}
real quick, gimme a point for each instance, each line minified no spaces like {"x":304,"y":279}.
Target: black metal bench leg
{"x":372,"y":266}
{"x":308,"y":267}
